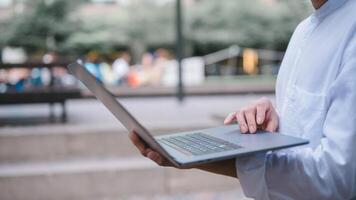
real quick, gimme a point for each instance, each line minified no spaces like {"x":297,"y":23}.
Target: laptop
{"x":186,"y":149}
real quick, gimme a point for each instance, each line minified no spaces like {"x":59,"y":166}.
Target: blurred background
{"x":175,"y":64}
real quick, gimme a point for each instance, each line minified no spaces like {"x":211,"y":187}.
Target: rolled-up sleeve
{"x":325,"y":172}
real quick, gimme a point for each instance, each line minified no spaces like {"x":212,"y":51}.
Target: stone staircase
{"x":87,"y":162}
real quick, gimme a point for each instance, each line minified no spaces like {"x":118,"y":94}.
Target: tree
{"x":44,"y":26}
{"x":136,"y":26}
{"x":260,"y":24}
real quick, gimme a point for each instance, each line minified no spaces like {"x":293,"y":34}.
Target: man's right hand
{"x":148,"y":152}
{"x":259,"y":115}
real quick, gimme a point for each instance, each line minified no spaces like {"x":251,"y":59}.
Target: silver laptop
{"x":190,"y":148}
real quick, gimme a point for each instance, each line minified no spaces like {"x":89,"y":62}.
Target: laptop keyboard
{"x":198,"y":144}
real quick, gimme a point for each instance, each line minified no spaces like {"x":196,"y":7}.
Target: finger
{"x":240,"y":116}
{"x":230,"y":118}
{"x":272,"y":125}
{"x":155,"y":157}
{"x":159,"y":159}
{"x":251,"y":120}
{"x":261,"y":110}
{"x":136,"y":140}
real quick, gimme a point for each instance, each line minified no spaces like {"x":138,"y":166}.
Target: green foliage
{"x":139,"y":24}
{"x":58,"y":25}
{"x":43,"y":27}
{"x":248,"y":23}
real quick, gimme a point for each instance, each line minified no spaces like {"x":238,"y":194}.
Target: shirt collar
{"x":326,"y":9}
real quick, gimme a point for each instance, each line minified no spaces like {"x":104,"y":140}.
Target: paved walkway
{"x":163,"y":112}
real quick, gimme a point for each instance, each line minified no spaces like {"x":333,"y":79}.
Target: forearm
{"x":226,"y":167}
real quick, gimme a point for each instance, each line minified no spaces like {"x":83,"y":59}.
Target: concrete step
{"x":50,"y":143}
{"x":105,"y":179}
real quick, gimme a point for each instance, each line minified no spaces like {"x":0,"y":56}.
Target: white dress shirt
{"x":316,"y":100}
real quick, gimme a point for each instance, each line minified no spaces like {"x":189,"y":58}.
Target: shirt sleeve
{"x":325,"y":172}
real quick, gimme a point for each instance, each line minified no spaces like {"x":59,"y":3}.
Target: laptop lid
{"x":115,"y":107}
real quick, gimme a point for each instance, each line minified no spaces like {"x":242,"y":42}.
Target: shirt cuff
{"x":251,"y":173}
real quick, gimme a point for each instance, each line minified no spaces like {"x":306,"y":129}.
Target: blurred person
{"x":107,"y":72}
{"x":17,"y":74}
{"x":132,"y":77}
{"x":92,"y":65}
{"x":162,"y":59}
{"x":151,"y":68}
{"x":3,"y":76}
{"x":121,"y":67}
{"x":144,"y":70}
{"x":62,"y":78}
{"x":58,"y":73}
{"x":35,"y":77}
{"x":46,"y":76}
{"x":315,"y":100}
{"x":17,"y":79}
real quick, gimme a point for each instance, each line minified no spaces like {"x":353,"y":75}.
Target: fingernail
{"x":243,"y":128}
{"x":253,"y":129}
{"x":259,"y":120}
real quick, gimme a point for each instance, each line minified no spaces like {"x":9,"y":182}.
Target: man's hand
{"x":259,"y":115}
{"x":148,"y":152}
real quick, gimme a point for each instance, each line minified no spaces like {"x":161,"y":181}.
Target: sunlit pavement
{"x":86,"y":157}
